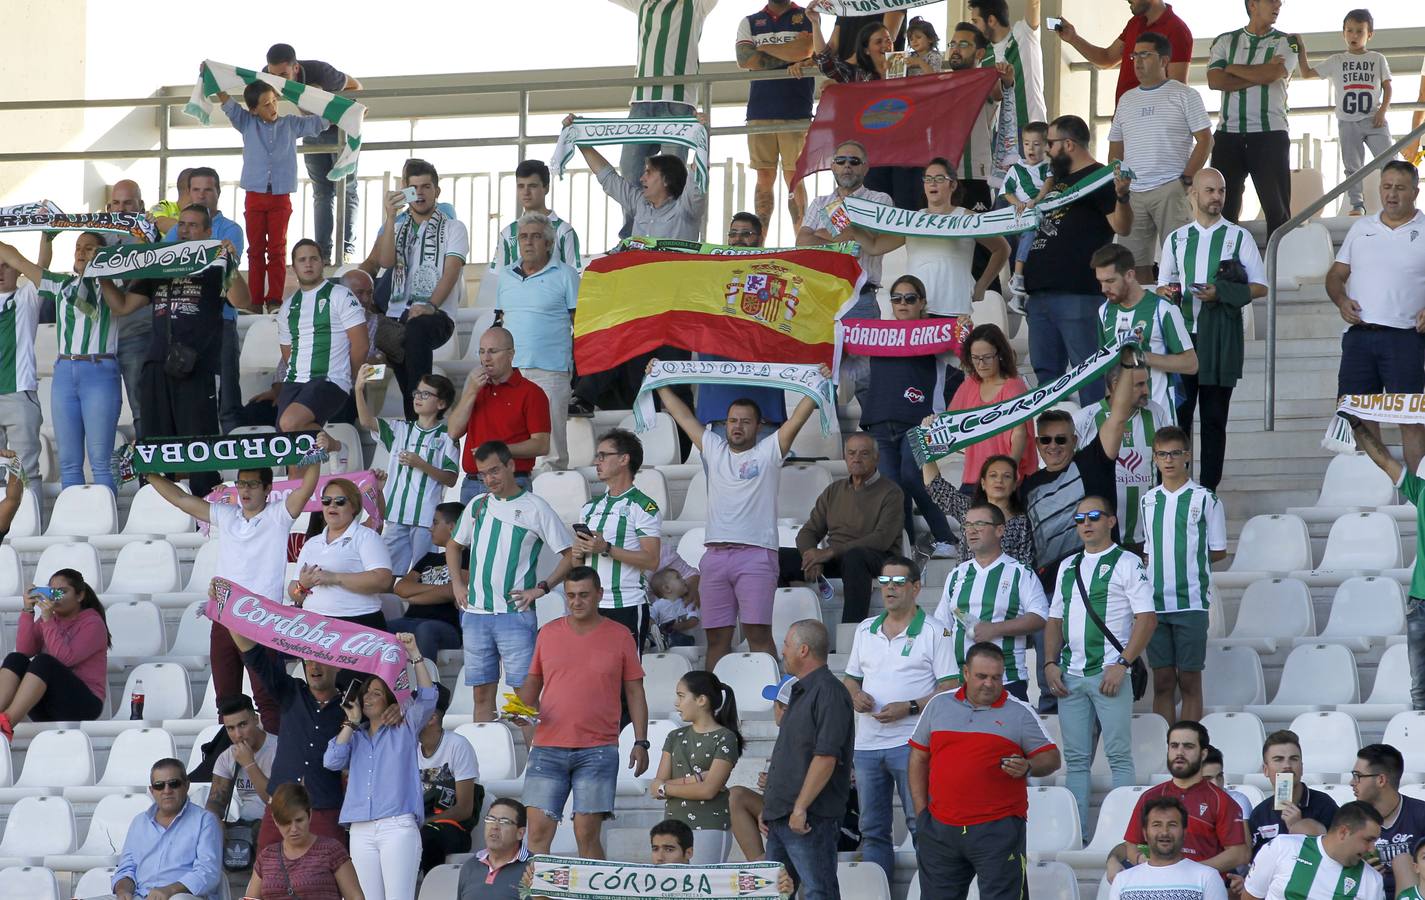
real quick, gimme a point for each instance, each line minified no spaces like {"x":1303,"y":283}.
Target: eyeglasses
{"x":905,"y":298}
{"x":248,"y":483}
{"x":171,"y":784}
{"x":893,"y":579}
{"x":979,"y":523}
{"x":963,"y":45}
{"x":1362,"y":776}
{"x":852,"y":161}
{"x":1092,"y":515}
{"x":935,"y":179}
{"x":603,"y":455}
{"x":502,"y":821}
{"x":1142,"y":54}
{"x":983,"y":357}
{"x":338,"y":501}
{"x":420,"y":394}
{"x":1170,"y":454}
{"x":1047,"y":439}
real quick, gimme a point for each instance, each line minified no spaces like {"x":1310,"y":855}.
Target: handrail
{"x":1269,"y":397}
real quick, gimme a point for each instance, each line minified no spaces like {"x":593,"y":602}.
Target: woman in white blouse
{"x":343,"y":569}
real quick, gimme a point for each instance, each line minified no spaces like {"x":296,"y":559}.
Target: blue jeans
{"x":406,"y":544}
{"x":229,"y":385}
{"x":474,"y":487}
{"x":133,"y":350}
{"x":878,"y":772}
{"x":324,"y":202}
{"x":1077,"y":714}
{"x":898,"y":464}
{"x":633,"y":156}
{"x":810,"y":858}
{"x":590,"y":772}
{"x":1415,"y":646}
{"x":432,"y":635}
{"x":489,"y":638}
{"x":85,"y":406}
{"x":1063,"y":332}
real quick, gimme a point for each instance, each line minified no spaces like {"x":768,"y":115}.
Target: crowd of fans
{"x":1082,"y":535}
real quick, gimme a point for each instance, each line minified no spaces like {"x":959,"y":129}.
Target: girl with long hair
{"x":697,"y":761}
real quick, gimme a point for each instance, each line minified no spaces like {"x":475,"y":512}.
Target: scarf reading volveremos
{"x":45,"y":216}
{"x":805,"y":380}
{"x":564,"y":878}
{"x":864,"y":7}
{"x":912,"y":337}
{"x":156,"y":260}
{"x":308,"y":635}
{"x":956,"y":430}
{"x":1392,"y":409}
{"x":342,"y":112}
{"x":682,"y":131}
{"x":676,"y":245}
{"x":365,"y":482}
{"x":255,"y":451}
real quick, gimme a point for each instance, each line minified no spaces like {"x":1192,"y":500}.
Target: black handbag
{"x":1138,"y":671}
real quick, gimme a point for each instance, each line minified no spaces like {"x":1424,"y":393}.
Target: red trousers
{"x":226,"y":662}
{"x":267,"y":216}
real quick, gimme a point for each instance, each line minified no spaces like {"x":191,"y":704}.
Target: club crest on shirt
{"x":1103,"y":570}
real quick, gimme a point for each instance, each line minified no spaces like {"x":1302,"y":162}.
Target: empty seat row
{"x":1360,"y":543}
{"x":1366,"y":611}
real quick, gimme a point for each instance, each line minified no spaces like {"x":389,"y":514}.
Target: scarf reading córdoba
{"x":256,"y":451}
{"x":683,"y":131}
{"x":45,"y":216}
{"x":563,"y":878}
{"x":803,"y":379}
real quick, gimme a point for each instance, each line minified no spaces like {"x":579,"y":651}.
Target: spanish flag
{"x":781,"y":305}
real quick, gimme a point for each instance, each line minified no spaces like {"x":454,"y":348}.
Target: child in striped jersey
{"x":1028,"y":180}
{"x":423,"y":464}
{"x":1417,"y":868}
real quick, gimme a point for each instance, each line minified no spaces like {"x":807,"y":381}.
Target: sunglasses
{"x":1047,"y":439}
{"x":1092,"y":515}
{"x":905,"y":298}
{"x":893,"y":579}
{"x":338,"y":501}
{"x":171,"y":784}
{"x":847,"y":160}
{"x":743,"y":234}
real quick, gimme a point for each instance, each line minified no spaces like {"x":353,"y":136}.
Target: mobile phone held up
{"x":410,"y":194}
{"x":351,"y":694}
{"x":1053,"y":24}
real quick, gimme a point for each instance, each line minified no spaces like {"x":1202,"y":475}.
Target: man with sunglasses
{"x":1187,"y":533}
{"x":174,"y":849}
{"x":899,"y":661}
{"x":1375,"y":779}
{"x":1084,"y":665}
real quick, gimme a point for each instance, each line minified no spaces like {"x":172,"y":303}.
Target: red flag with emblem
{"x":900,"y":121}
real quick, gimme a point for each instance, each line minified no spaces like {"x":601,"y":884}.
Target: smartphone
{"x":582,"y":530}
{"x":353,"y":690}
{"x":377,"y":372}
{"x":44,"y":592}
{"x":1283,"y":790}
{"x":410,"y":194}
{"x":1053,"y":24}
{"x":1198,"y":288}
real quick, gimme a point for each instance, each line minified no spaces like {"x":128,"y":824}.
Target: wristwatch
{"x":1186,"y":180}
{"x":915,"y":707}
{"x":1122,"y":661}
{"x":643,"y":744}
{"x":543,"y":586}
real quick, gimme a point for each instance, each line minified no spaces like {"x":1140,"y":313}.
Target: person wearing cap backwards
{"x":970,"y":757}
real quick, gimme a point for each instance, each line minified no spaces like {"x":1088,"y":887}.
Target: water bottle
{"x":136,"y":700}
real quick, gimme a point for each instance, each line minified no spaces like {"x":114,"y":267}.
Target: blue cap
{"x":781,"y":692}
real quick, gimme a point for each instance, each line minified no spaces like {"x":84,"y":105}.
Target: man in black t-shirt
{"x":1064,"y":295}
{"x":1376,"y":780}
{"x":282,"y":61}
{"x":430,"y":603}
{"x":1309,"y":812}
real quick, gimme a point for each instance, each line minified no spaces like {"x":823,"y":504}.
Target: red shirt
{"x":1170,"y":27}
{"x":510,"y":412}
{"x":1214,"y":819}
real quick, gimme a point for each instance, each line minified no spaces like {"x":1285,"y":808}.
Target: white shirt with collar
{"x":1387,"y":269}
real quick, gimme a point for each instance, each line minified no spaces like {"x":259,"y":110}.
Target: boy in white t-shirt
{"x":450,"y":775}
{"x":1361,"y":82}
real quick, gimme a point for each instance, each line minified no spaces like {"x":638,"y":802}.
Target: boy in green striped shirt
{"x":1186,"y":531}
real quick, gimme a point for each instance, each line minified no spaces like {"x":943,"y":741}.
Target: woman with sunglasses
{"x":302,"y":864}
{"x":903,"y":391}
{"x":991,"y":377}
{"x":343,"y":569}
{"x":998,"y":485}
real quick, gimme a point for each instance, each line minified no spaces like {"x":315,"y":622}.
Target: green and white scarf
{"x":429,"y":266}
{"x":1392,"y":409}
{"x":346,"y":114}
{"x":864,"y":7}
{"x":957,"y":430}
{"x":564,"y":878}
{"x":45,"y":216}
{"x":257,"y":451}
{"x":133,"y":261}
{"x":681,"y":131}
{"x":805,"y":380}
{"x":676,"y":245}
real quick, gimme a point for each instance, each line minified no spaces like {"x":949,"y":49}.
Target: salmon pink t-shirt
{"x":583,"y":682}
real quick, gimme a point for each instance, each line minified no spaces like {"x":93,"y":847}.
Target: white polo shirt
{"x":359,"y":549}
{"x":906,"y":667}
{"x":253,"y":552}
{"x":1387,"y":269}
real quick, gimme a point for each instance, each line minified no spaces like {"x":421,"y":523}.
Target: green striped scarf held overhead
{"x":161,"y":456}
{"x":344,"y":113}
{"x":803,"y":379}
{"x":681,"y":131}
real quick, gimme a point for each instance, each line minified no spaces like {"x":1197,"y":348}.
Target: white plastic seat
{"x":1232,"y":679}
{"x":7,"y":765}
{"x":1268,"y":545}
{"x":1329,"y":741}
{"x":1149,"y":736}
{"x":27,"y":517}
{"x":56,"y":759}
{"x":191,"y":645}
{"x":549,"y":607}
{"x":440,"y":883}
{"x":166,"y":696}
{"x":653,"y":483}
{"x":1359,"y":544}
{"x":695,"y":501}
{"x":151,"y":517}
{"x":660,"y":443}
{"x":1055,"y":814}
{"x":791,"y":605}
{"x":1239,"y":736}
{"x":798,"y":487}
{"x":260,"y":352}
{"x":661,"y":673}
{"x":205,"y":565}
{"x":348,"y":457}
{"x":1052,"y":881}
{"x":12,"y":579}
{"x":566,"y":491}
{"x":658,"y":729}
{"x":1113,"y":816}
{"x":136,"y":629}
{"x":203,"y":720}
{"x":145,"y":567}
{"x":1390,"y":694}
{"x":1305,"y":254}
{"x":863,"y":880}
{"x":1272,"y":611}
{"x":1366,"y":609}
{"x":691,"y":547}
{"x":30,"y":882}
{"x":130,"y":759}
{"x":95,"y":883}
{"x":108,"y":827}
{"x":580,"y":441}
{"x":1352,"y":484}
{"x":36,"y":828}
{"x":79,"y":511}
{"x":494,"y":746}
{"x":1406,"y":732}
{"x":747,"y":674}
{"x":810,"y":443}
{"x":83,"y":558}
{"x":1315,"y":676}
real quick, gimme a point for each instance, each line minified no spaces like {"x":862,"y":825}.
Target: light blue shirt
{"x":189,"y":851}
{"x":384,"y":777}
{"x":224,"y":229}
{"x":537,"y":311}
{"x":269,"y":149}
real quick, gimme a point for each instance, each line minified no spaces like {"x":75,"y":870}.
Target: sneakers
{"x":1357,"y":210}
{"x":1017,"y":294}
{"x":581,"y":409}
{"x":824,"y":589}
{"x":942,"y":550}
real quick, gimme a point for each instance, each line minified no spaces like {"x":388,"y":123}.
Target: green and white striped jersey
{"x":622,"y":521}
{"x":1182,"y":526}
{"x":1134,"y":471}
{"x":668,"y":34}
{"x":1163,"y":329}
{"x":566,"y":245}
{"x":1004,"y":590}
{"x":1296,"y":867}
{"x":19,"y":317}
{"x":1192,"y":254}
{"x":1117,"y":587}
{"x":313,"y":324}
{"x":505,"y":538}
{"x":1024,"y":180}
{"x":79,"y":333}
{"x":1021,"y":49}
{"x":1258,"y":107}
{"x":976,"y":160}
{"x":412,"y":495}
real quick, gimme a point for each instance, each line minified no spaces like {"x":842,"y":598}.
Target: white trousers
{"x":387,"y":856}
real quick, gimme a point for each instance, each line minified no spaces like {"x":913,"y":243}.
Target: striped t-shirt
{"x":668,"y":34}
{"x":1258,"y":107}
{"x":1025,"y":179}
{"x":1134,"y":471}
{"x":313,"y":325}
{"x":505,"y":537}
{"x":412,"y":495}
{"x":1004,"y":590}
{"x":1164,"y":332}
{"x":1118,"y":588}
{"x":1183,"y":526}
{"x":19,"y":317}
{"x":1297,"y":867}
{"x":1156,"y":126}
{"x":79,"y":333}
{"x":622,"y":521}
{"x":1021,"y":49}
{"x":1192,"y":254}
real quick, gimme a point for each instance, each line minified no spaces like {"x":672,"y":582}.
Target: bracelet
{"x":418,"y":660}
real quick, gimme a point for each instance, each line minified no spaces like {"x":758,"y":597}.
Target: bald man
{"x":499,"y":404}
{"x":1190,"y":260}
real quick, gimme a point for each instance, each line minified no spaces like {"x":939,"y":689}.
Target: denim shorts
{"x":491,"y":638}
{"x":591,"y":772}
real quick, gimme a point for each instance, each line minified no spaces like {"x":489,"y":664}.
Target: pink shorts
{"x":738,"y":583}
